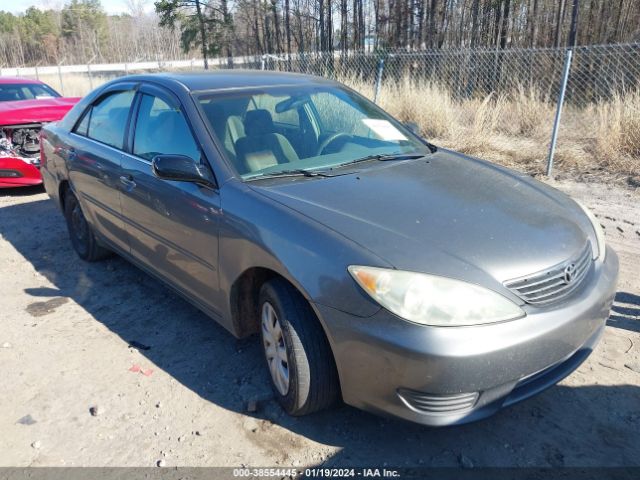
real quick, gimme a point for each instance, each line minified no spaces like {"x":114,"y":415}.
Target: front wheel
{"x":83,"y":240}
{"x":298,"y":354}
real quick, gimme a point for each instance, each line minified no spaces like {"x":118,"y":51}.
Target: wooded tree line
{"x":82,"y":32}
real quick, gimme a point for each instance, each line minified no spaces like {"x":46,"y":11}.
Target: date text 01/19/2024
{"x":316,"y":472}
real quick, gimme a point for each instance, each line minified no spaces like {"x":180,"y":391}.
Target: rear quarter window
{"x":107,"y":119}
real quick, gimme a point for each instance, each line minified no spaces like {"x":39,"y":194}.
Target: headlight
{"x":432,"y":300}
{"x":602,"y":248}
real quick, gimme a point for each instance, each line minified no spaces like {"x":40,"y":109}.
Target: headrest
{"x":258,"y":122}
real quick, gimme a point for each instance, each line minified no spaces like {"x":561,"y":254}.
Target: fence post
{"x":262,"y":62}
{"x":90,"y":77}
{"x":556,"y":122}
{"x":378,"y":80}
{"x":60,"y":79}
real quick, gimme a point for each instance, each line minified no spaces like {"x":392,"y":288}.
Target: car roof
{"x":225,"y":79}
{"x":14,"y":80}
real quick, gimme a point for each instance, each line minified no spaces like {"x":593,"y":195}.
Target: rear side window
{"x":162,"y":129}
{"x":107,"y":119}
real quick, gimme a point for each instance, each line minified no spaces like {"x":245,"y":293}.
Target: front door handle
{"x":127,"y":181}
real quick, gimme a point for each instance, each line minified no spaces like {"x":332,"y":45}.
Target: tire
{"x":83,"y":239}
{"x":312,"y":377}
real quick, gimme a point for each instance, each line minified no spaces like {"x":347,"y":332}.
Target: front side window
{"x":302,"y":127}
{"x":162,"y":129}
{"x":107,"y":119}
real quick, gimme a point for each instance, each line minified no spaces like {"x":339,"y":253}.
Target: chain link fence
{"x":597,"y":125}
{"x":597,"y":72}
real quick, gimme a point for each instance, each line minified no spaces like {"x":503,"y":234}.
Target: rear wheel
{"x":82,"y":237}
{"x":298,"y":355}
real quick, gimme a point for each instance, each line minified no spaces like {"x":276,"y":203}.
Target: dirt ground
{"x":66,"y":327}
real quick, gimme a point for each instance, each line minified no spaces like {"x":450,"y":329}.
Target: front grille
{"x":554,"y":284}
{"x":429,"y":403}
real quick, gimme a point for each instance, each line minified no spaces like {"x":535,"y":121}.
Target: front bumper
{"x":454,"y":375}
{"x":15,"y":172}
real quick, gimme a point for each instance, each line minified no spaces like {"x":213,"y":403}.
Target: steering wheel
{"x":332,"y":139}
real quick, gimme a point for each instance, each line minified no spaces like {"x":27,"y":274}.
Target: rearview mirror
{"x":181,"y":168}
{"x":291,"y":103}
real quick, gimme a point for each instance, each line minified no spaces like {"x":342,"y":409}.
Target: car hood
{"x":446,"y":214}
{"x":35,"y":111}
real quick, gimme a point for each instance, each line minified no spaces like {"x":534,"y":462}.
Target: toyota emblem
{"x":569,"y":270}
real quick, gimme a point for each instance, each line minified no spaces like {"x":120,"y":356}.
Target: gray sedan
{"x":402,"y":278}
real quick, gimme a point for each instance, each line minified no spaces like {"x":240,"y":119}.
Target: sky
{"x":110,"y":6}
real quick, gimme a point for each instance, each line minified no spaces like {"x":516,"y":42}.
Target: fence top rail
{"x":177,"y":63}
{"x":611,"y":46}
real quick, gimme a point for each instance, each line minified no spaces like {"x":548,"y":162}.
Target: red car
{"x":25,"y":105}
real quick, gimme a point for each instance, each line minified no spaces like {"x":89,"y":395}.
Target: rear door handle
{"x":127,"y":181}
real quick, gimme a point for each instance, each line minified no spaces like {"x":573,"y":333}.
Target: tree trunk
{"x":344,"y":26}
{"x":420,"y":23}
{"x":276,"y":25}
{"x":432,"y":23}
{"x":228,"y":30}
{"x":474,"y":23}
{"x":323,"y":39}
{"x":203,"y":35}
{"x":256,"y":28}
{"x":361,"y":24}
{"x":504,"y":30}
{"x":287,"y":26}
{"x":534,"y":25}
{"x":558,"y":33}
{"x":329,"y":33}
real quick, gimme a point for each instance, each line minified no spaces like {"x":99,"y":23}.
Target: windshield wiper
{"x":384,"y":157}
{"x":291,"y":173}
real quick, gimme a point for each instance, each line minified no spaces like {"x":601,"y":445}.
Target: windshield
{"x":270,"y":130}
{"x":10,"y":92}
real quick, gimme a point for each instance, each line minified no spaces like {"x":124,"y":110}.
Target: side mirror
{"x":414,"y":128}
{"x":182,"y":169}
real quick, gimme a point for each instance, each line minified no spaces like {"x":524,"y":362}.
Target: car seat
{"x":262,"y":147}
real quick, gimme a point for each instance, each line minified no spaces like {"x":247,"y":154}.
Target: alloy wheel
{"x":275,"y":348}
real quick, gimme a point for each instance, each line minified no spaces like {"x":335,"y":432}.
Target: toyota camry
{"x":378,"y":269}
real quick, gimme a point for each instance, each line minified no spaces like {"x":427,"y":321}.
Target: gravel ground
{"x":76,"y":393}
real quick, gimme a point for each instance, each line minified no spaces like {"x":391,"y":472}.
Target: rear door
{"x":94,"y":160}
{"x":173,"y":226}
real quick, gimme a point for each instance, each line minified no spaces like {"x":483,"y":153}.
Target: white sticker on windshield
{"x":384,"y":129}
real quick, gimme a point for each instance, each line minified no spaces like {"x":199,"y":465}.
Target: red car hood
{"x":35,"y":111}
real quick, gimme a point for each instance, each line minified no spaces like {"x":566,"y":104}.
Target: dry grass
{"x":513,"y":128}
{"x":617,"y":132}
{"x":75,"y":84}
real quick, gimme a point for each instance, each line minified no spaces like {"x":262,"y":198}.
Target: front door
{"x":173,"y":226}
